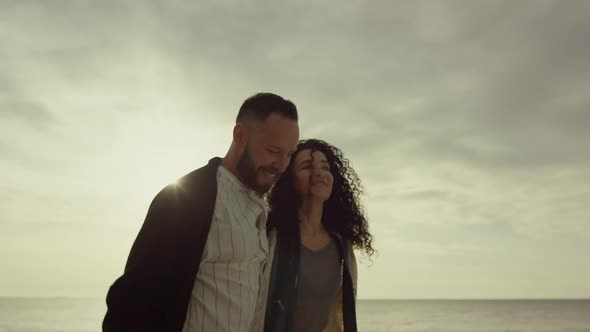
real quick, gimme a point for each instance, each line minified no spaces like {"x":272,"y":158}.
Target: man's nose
{"x":283,"y":163}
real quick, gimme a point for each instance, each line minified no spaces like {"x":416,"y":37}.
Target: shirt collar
{"x":251,"y":193}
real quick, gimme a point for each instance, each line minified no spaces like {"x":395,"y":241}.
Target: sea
{"x":85,"y":315}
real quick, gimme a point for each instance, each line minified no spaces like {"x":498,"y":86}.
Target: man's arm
{"x":134,"y":301}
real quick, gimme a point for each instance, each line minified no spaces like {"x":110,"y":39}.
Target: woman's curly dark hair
{"x":342,"y":212}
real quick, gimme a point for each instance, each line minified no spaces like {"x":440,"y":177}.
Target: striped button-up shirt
{"x":231,"y":285}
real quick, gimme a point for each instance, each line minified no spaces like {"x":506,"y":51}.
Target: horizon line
{"x":360,"y":299}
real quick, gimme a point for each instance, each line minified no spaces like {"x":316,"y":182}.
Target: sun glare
{"x":157,"y":175}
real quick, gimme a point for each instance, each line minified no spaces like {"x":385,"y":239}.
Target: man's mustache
{"x":271,"y":170}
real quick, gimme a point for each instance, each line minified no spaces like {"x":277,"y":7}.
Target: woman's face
{"x":312,"y":174}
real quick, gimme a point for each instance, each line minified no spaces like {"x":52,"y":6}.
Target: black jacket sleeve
{"x":136,"y":300}
{"x":154,"y":291}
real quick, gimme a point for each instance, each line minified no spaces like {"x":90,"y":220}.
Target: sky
{"x":468,"y":123}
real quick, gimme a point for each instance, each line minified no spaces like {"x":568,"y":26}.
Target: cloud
{"x":466,"y":121}
{"x":25,"y":111}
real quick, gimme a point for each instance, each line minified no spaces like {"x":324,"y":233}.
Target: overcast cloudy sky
{"x":468,"y":122}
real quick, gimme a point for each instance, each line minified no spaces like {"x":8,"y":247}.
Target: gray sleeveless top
{"x":317,"y":288}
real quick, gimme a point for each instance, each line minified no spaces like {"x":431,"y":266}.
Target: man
{"x":201,"y":260}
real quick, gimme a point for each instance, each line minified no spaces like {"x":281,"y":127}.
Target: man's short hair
{"x":258,"y":107}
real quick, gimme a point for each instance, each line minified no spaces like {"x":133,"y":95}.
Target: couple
{"x":261,"y":240}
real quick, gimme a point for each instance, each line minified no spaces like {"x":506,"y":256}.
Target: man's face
{"x":267,"y":152}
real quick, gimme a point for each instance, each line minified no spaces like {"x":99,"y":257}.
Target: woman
{"x":316,"y":216}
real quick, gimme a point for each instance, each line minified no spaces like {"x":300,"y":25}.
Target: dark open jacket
{"x":154,"y":291}
{"x":282,"y":292}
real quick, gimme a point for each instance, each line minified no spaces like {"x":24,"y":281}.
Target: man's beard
{"x":248,"y":171}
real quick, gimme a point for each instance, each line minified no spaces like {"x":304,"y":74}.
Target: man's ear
{"x":240,"y":134}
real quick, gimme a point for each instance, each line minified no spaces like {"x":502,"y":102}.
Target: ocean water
{"x":85,"y":315}
{"x":475,"y":316}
